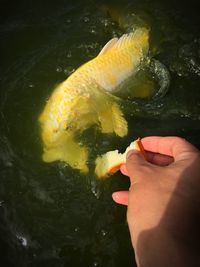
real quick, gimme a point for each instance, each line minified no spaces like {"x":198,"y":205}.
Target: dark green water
{"x":50,"y":215}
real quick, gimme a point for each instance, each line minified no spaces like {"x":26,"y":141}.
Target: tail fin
{"x":68,"y":151}
{"x":124,"y":17}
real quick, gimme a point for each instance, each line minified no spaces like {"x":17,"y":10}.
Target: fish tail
{"x":125,"y":17}
{"x":68,"y":151}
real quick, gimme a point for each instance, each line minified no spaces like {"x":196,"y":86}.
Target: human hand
{"x":163,"y":202}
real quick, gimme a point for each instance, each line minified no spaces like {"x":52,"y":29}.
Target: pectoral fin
{"x":112,"y":120}
{"x":119,"y":122}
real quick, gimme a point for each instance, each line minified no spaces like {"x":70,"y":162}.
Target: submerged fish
{"x":85,"y":98}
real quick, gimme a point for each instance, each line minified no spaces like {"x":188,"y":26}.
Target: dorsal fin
{"x":138,"y":36}
{"x":123,"y":40}
{"x":108,"y":46}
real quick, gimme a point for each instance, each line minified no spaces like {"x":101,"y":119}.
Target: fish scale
{"x":86,"y":99}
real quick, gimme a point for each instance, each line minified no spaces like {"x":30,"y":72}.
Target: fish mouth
{"x":151,"y":81}
{"x":162,"y":76}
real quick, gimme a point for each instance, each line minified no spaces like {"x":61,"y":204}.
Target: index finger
{"x":172,"y":146}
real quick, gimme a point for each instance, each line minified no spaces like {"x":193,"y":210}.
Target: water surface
{"x":50,"y":214}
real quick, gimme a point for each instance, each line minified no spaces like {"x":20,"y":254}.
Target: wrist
{"x":158,"y":247}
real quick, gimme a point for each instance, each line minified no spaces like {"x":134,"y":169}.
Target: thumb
{"x":121,"y":197}
{"x":137,"y":166}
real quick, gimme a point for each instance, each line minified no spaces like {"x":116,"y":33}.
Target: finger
{"x":137,"y":167}
{"x":121,"y":197}
{"x":123,"y":169}
{"x":159,"y":159}
{"x":172,"y":146}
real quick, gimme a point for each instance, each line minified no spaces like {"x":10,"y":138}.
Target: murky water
{"x":50,"y":215}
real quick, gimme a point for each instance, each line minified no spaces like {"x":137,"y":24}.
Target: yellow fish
{"x":85,"y":98}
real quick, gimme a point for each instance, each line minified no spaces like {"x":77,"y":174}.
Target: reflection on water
{"x":50,"y":214}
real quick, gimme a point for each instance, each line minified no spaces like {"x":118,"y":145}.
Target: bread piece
{"x":110,"y":162}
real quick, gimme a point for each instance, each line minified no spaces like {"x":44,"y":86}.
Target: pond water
{"x":51,"y":215}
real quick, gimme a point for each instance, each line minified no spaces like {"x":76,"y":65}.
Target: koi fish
{"x":87,"y":98}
